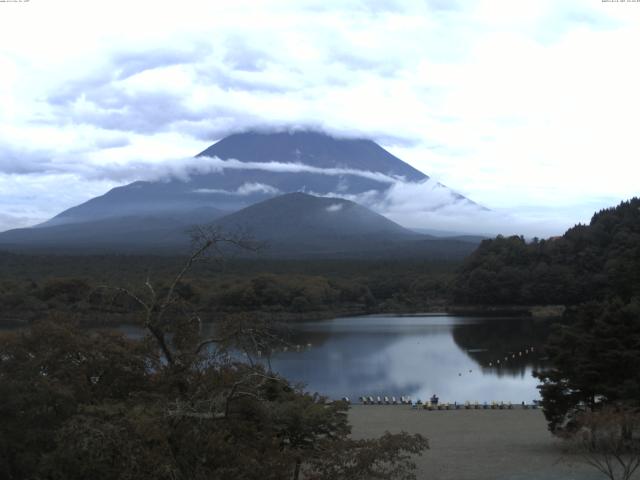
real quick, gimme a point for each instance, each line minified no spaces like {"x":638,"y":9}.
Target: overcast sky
{"x":528,"y":107}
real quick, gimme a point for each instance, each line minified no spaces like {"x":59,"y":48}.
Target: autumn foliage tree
{"x":80,"y":404}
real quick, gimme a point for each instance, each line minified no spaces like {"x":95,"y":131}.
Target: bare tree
{"x":209,"y":388}
{"x":176,"y":328}
{"x":168,"y":318}
{"x":608,"y":441}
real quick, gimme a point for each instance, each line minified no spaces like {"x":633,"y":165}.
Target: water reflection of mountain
{"x":412,"y":355}
{"x":504,"y":340}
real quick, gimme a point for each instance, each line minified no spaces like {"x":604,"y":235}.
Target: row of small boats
{"x":475,"y":406}
{"x":385,"y":400}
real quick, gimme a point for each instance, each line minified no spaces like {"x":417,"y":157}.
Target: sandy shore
{"x":476,"y":444}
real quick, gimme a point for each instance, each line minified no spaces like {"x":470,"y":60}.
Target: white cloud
{"x":249,"y":188}
{"x":525,"y":107}
{"x":335,"y":207}
{"x":430,"y":205}
{"x":244,"y":189}
{"x":163,"y":168}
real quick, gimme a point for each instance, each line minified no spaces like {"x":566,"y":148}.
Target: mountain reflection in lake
{"x":417,"y":356}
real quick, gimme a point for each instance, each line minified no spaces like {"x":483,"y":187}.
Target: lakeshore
{"x":476,"y":444}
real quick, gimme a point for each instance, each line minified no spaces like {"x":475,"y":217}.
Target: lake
{"x":417,"y":355}
{"x":413,"y":355}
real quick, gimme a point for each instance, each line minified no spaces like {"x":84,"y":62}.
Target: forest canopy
{"x":588,"y":262}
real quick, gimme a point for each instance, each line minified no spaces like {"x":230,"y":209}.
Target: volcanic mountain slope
{"x":294,"y":225}
{"x":307,"y":223}
{"x":312,"y":148}
{"x":298,"y":224}
{"x":128,"y":233}
{"x":239,"y":171}
{"x":246,"y":168}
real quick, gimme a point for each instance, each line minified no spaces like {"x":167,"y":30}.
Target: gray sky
{"x":528,"y":107}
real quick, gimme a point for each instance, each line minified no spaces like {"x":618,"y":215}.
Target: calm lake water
{"x":417,"y":355}
{"x":413,"y":355}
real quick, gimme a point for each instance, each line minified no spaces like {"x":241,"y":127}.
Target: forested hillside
{"x":36,"y":287}
{"x":589,"y":262}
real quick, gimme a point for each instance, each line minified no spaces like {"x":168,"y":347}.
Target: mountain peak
{"x":266,"y":165}
{"x":301,"y":222}
{"x":312,"y":148}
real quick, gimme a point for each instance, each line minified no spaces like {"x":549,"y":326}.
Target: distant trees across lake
{"x":35,"y":287}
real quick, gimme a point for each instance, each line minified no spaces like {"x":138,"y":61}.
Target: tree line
{"x":296,"y":292}
{"x":588,"y":262}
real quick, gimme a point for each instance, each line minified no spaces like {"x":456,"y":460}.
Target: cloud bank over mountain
{"x":508,"y":103}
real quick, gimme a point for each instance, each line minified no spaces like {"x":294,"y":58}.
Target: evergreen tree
{"x":594,"y":358}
